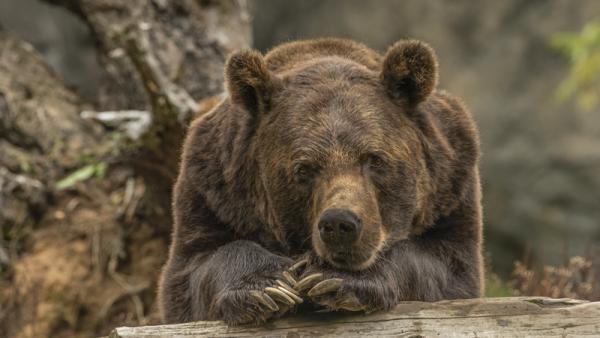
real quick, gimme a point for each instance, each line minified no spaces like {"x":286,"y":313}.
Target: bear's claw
{"x":264,"y":299}
{"x":294,"y":268}
{"x":287,"y":287}
{"x":328,"y":285}
{"x":272,"y":302}
{"x":289,"y":278}
{"x":308,"y":281}
{"x":331,"y":293}
{"x":290,"y":292}
{"x":350,"y":302}
{"x":280,"y":295}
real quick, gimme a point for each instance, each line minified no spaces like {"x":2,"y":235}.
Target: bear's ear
{"x":409,"y":71}
{"x":248,"y":81}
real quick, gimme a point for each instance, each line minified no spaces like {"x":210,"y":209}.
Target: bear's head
{"x":341,"y":153}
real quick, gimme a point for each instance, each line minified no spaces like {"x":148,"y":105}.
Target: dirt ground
{"x":81,"y":279}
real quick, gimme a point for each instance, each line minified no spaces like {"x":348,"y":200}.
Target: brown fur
{"x":314,"y":125}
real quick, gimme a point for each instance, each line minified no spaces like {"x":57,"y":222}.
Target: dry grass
{"x":578,"y":278}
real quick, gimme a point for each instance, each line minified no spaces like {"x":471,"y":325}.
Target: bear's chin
{"x":350,"y":261}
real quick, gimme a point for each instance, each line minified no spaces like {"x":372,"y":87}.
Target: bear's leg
{"x":240,"y":282}
{"x":407,"y":272}
{"x":346,"y":290}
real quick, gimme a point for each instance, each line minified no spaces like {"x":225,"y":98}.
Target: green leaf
{"x":82,"y":174}
{"x":100,"y":170}
{"x":583,"y":81}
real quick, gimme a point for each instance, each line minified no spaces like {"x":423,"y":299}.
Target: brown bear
{"x":332,"y":176}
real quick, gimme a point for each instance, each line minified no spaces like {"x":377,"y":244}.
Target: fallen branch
{"x":134,"y":123}
{"x":488,"y":317}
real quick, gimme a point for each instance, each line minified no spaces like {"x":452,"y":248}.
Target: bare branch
{"x":134,"y":123}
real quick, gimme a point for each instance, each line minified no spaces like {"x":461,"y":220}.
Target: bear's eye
{"x":304,"y":171}
{"x":374,"y":161}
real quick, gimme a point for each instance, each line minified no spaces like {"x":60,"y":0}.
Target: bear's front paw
{"x":255,"y":305}
{"x":337,"y":291}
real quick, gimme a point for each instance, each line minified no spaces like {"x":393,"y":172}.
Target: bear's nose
{"x":339,"y":227}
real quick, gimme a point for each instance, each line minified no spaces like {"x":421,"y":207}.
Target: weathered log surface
{"x":490,"y":317}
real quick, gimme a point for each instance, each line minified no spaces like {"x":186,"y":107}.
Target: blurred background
{"x":528,"y":70}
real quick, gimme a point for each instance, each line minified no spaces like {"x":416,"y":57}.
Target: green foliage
{"x":583,"y":50}
{"x":496,"y":287}
{"x":82,"y":174}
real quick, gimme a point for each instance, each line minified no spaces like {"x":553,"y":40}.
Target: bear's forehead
{"x":327,"y":69}
{"x":336,"y":105}
{"x":332,"y":105}
{"x":332,"y":86}
{"x":334,"y":120}
{"x":334,"y":111}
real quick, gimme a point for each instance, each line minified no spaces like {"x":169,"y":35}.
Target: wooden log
{"x":486,"y":317}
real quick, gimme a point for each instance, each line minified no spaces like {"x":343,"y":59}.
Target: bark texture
{"x":491,"y":317}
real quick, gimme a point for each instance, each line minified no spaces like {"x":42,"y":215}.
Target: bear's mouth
{"x":349,"y":260}
{"x":339,"y":257}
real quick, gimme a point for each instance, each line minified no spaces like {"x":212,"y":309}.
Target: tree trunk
{"x":162,"y":56}
{"x":85,"y":186}
{"x":491,"y":317}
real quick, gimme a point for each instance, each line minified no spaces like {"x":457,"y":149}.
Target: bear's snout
{"x":339,"y":228}
{"x":346,"y":229}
